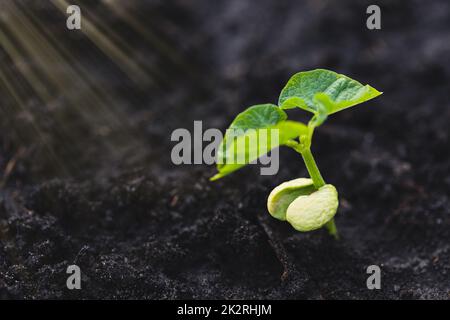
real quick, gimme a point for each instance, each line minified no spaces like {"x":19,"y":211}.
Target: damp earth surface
{"x":86,"y":176}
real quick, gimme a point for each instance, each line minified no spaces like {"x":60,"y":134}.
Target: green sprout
{"x":307,"y":204}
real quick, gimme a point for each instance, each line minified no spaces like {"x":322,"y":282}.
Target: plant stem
{"x":312,"y":168}
{"x":332,"y":229}
{"x":318,"y":181}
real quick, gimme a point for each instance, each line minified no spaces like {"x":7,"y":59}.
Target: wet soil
{"x":78,"y":188}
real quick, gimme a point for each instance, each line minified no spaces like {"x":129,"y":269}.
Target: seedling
{"x":306,"y":203}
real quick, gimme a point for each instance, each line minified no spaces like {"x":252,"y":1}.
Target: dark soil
{"x":93,"y":186}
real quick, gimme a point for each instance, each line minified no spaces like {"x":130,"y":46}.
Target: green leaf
{"x":252,"y":134}
{"x":258,"y":116}
{"x":322,"y":91}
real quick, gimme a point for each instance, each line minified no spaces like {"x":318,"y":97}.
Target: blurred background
{"x":85,"y":170}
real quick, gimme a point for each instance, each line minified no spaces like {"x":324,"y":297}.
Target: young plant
{"x":306,"y":203}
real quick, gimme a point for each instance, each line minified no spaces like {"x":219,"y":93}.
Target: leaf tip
{"x":215,"y":177}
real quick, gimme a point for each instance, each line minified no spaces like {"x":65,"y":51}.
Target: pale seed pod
{"x":282,"y":196}
{"x":302,"y":205}
{"x":311,"y":212}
